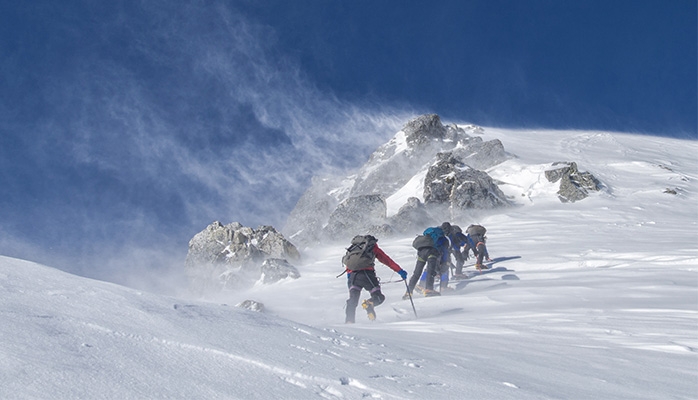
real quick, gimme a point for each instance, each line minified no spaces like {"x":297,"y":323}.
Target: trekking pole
{"x":409,"y":293}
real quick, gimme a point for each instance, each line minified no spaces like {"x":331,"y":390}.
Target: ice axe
{"x":409,"y":293}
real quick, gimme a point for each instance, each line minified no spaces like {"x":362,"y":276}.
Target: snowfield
{"x":596,"y":299}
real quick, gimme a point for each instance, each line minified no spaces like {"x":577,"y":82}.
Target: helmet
{"x":446,"y":227}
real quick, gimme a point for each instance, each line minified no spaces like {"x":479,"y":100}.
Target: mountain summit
{"x":426,"y":173}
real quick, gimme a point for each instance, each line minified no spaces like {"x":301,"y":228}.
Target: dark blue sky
{"x":618,"y":65}
{"x":126,"y":127}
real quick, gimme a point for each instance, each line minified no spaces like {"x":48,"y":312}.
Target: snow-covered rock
{"x":391,"y":168}
{"x":276,"y":269}
{"x":452,"y":183}
{"x":574,"y":185}
{"x":231,"y":256}
{"x":411,"y":217}
{"x":356,"y":215}
{"x":251,"y":305}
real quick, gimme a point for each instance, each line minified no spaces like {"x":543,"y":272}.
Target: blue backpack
{"x":432,"y":237}
{"x":435,"y":233}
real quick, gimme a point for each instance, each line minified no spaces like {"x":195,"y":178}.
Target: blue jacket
{"x":441,"y":242}
{"x":458,"y":240}
{"x":444,"y":247}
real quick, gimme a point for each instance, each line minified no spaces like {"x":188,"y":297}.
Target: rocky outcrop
{"x":276,"y":269}
{"x":273,"y":244}
{"x":328,"y":204}
{"x":231,"y":256}
{"x":397,"y":161}
{"x":424,"y":129}
{"x":574,"y":185}
{"x":453,"y":183}
{"x":357,"y":215}
{"x":481,"y":155}
{"x":251,"y":305}
{"x":413,"y":216}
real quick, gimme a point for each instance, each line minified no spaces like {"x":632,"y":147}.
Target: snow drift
{"x":585,"y":300}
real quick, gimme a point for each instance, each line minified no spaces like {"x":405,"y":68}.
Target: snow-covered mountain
{"x":585,"y":300}
{"x":428,"y":172}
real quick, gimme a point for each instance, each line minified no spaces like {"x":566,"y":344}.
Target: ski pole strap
{"x":343,"y":272}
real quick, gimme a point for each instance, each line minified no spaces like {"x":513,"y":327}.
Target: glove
{"x":403,"y":274}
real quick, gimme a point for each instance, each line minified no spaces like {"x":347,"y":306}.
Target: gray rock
{"x":413,"y":216}
{"x":379,"y":231}
{"x":230,"y":256}
{"x":453,"y":183}
{"x":560,"y":169}
{"x":325,"y":210}
{"x":476,"y":190}
{"x":251,"y":305}
{"x":393,"y":164}
{"x":276,"y":269}
{"x":574,"y":185}
{"x":356,"y":215}
{"x":482,"y":155}
{"x":423,"y":129}
{"x":274,"y":244}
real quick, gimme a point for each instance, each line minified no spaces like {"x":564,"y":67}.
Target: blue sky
{"x":126,"y":127}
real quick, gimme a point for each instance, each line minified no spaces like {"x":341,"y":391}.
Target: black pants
{"x":460,"y":260}
{"x":481,"y":253}
{"x":425,"y":256}
{"x":363,"y":279}
{"x":439,"y":269}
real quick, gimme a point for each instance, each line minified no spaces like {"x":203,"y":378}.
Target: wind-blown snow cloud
{"x":171,"y":116}
{"x":233,"y":114}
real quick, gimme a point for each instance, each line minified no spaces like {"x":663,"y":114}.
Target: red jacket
{"x":382,"y":257}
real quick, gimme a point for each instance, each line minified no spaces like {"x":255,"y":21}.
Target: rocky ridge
{"x":452,"y":160}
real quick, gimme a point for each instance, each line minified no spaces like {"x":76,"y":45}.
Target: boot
{"x":431,"y":293}
{"x":370,"y":312}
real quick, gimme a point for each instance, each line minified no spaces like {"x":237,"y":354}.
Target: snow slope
{"x":589,"y":300}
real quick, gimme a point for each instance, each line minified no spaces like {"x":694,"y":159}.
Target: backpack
{"x":476,"y":230}
{"x":477,"y":233}
{"x":422,"y":241}
{"x":435,"y":233}
{"x":360,"y":254}
{"x":431,"y":238}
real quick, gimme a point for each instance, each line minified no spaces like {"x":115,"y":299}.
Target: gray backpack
{"x":476,"y":230}
{"x":422,"y":241}
{"x":477,"y":233}
{"x":360,"y":254}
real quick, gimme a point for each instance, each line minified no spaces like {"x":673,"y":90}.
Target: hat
{"x":446,"y":227}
